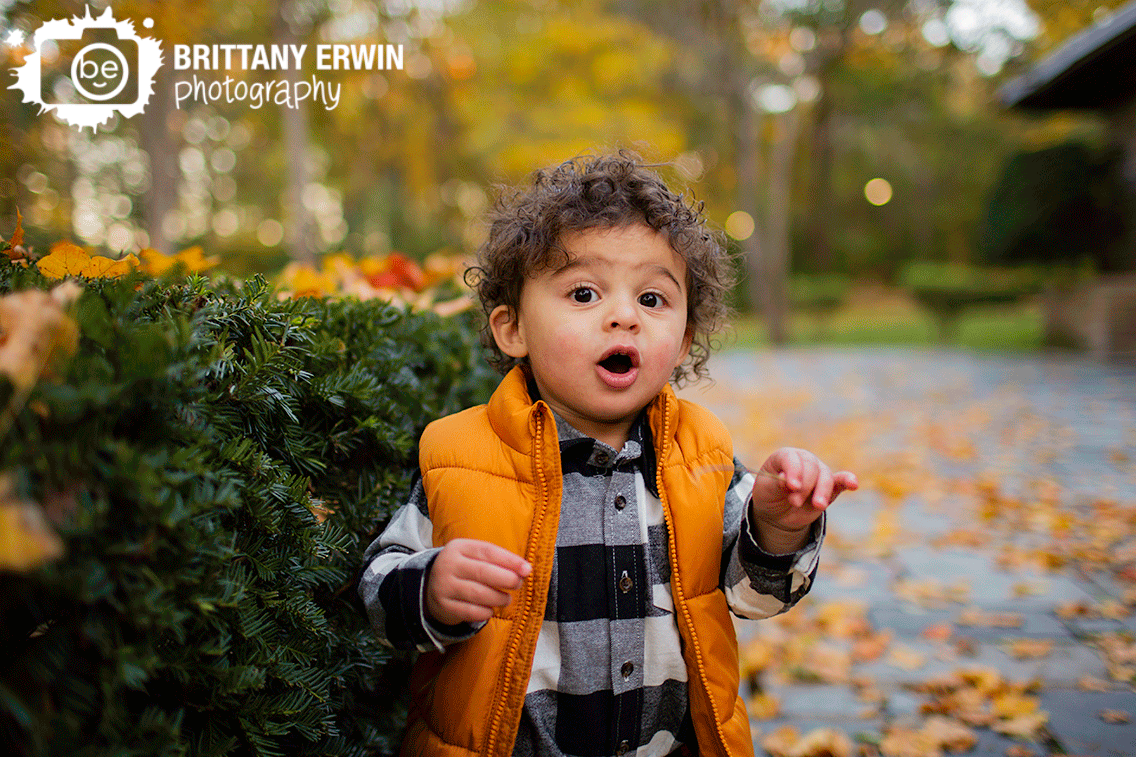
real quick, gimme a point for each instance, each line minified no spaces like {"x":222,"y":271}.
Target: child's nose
{"x":623,"y":314}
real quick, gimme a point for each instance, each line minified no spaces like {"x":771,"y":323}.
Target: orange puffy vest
{"x":492,"y":472}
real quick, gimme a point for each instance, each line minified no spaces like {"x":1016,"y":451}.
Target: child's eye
{"x":583,"y":294}
{"x":650,"y":300}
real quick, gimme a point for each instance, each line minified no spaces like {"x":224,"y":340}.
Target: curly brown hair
{"x":527,"y":224}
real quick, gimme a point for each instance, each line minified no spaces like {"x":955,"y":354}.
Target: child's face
{"x":604,"y":333}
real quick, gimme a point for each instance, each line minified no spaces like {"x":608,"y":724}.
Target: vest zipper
{"x":517,"y":631}
{"x":675,"y":573}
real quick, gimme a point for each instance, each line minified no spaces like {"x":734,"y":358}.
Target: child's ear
{"x":507,"y":332}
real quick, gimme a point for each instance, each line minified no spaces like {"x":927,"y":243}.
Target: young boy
{"x":569,"y":558}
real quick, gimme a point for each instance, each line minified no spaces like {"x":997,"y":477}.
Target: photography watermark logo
{"x":87,"y":69}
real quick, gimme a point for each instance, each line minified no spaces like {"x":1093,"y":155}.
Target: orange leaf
{"x":17,"y":237}
{"x":65,"y":259}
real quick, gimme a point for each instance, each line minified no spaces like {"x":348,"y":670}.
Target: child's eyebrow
{"x":588,"y":262}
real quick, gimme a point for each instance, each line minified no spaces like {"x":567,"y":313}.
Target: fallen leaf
{"x":974,"y":616}
{"x":1091,"y":683}
{"x":905,"y":742}
{"x":780,"y":743}
{"x":1018,"y":750}
{"x":764,"y":706}
{"x":938,"y":632}
{"x":1118,"y":717}
{"x":905,"y":658}
{"x":949,"y":734}
{"x":1023,"y":726}
{"x":823,"y":742}
{"x":1030,"y":649}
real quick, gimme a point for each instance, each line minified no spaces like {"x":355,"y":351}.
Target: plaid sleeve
{"x":758,"y":584}
{"x":393,"y":584}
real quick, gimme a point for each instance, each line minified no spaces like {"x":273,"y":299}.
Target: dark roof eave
{"x":1029,"y":89}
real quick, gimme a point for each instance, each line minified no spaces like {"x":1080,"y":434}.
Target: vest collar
{"x":513,"y":414}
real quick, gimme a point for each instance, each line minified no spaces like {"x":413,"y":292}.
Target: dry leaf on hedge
{"x":26,"y":539}
{"x":34,"y":333}
{"x":1118,"y":717}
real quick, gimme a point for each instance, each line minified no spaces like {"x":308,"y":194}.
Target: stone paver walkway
{"x":985,"y":571}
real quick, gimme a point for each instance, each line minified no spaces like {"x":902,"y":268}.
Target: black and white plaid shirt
{"x":608,"y":675}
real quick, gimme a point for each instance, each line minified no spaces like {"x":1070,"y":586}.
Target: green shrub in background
{"x":214,"y":461}
{"x":946,"y":290}
{"x":819,"y":295}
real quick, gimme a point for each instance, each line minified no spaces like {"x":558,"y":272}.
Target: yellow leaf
{"x":154,"y":262}
{"x":195,"y":260}
{"x":99,"y":267}
{"x":1012,"y":705}
{"x":26,"y":539}
{"x":65,"y":259}
{"x":1023,"y":726}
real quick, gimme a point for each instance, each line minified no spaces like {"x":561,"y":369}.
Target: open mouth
{"x":619,"y":361}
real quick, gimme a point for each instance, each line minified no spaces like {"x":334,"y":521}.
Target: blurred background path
{"x":978,"y":590}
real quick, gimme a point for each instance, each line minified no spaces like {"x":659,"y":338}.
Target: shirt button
{"x":625,"y":583}
{"x":624,"y":748}
{"x":627,"y":669}
{"x":602,"y":458}
{"x":620,"y":502}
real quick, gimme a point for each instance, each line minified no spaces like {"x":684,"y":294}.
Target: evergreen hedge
{"x":215,"y":460}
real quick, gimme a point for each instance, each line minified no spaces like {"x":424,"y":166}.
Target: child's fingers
{"x":476,"y":593}
{"x":787,"y":463}
{"x":457,"y":611}
{"x":823,"y":492}
{"x":492,"y":554}
{"x":844,"y":481}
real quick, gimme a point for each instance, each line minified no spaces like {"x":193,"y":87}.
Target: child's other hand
{"x":792,"y":489}
{"x":469,"y":579}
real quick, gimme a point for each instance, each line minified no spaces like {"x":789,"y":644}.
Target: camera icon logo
{"x":87,"y":69}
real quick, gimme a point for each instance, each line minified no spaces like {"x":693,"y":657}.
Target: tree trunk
{"x":298,"y":226}
{"x":784,"y":148}
{"x":165,"y":172}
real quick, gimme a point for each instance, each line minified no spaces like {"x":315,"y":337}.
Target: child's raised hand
{"x":792,"y":489}
{"x":469,"y":579}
